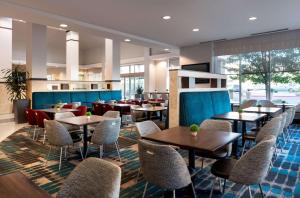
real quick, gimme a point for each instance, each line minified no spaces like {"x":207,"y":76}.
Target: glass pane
{"x":252,"y":87}
{"x":285,"y":60}
{"x":127,"y":87}
{"x":124,"y":69}
{"x":131,"y":68}
{"x":233,"y":87}
{"x":285,"y":86}
{"x":228,"y":64}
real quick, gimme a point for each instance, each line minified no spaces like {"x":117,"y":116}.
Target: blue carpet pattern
{"x":20,"y":153}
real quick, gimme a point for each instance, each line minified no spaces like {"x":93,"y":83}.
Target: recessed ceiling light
{"x":166,"y":49}
{"x":19,"y":20}
{"x":166,"y":17}
{"x":63,"y":25}
{"x":127,"y":40}
{"x":196,"y":30}
{"x":252,"y":18}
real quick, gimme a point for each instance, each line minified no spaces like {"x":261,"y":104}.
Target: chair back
{"x":283,"y":121}
{"x":267,"y":103}
{"x":272,"y":127}
{"x":112,"y":114}
{"x":105,"y":108}
{"x":97,"y":177}
{"x":253,"y":167}
{"x":31,"y":117}
{"x":163,"y":166}
{"x":292,"y":116}
{"x":40,"y":117}
{"x":81,"y":111}
{"x":107,"y":132}
{"x":289,"y":117}
{"x":63,"y":115}
{"x":218,"y":125}
{"x":68,"y":106}
{"x":57,"y":134}
{"x":146,"y":128}
{"x":97,"y":108}
{"x":248,"y":103}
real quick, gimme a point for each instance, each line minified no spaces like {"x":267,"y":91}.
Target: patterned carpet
{"x":20,"y":152}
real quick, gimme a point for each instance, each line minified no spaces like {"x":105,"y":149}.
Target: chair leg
{"x":244,"y":147}
{"x":145,"y":189}
{"x":44,"y":136}
{"x":87,"y":150}
{"x":261,"y":191}
{"x":220,"y":185}
{"x":174,"y":194}
{"x":224,"y":186}
{"x":65,"y":152}
{"x":33,"y":134}
{"x":47,"y":157}
{"x":80,"y":150}
{"x":60,"y":158}
{"x":212,"y":188}
{"x":202,"y":163}
{"x":118,"y":150}
{"x":193,"y":190}
{"x":101,"y":151}
{"x":138,"y":175}
{"x":249,"y":189}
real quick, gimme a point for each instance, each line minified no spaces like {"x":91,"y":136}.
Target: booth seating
{"x":42,"y":100}
{"x":195,"y":107}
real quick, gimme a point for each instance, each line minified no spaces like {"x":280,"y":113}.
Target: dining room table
{"x":17,"y":185}
{"x":236,"y":117}
{"x":84,"y":121}
{"x":266,"y":110}
{"x":205,"y":141}
{"x":149,"y":110}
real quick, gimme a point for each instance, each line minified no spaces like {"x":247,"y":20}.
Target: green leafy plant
{"x":240,"y":110}
{"x":283,"y":102}
{"x":194,"y":128}
{"x":259,"y":105}
{"x":88,"y":113}
{"x":15,"y":82}
{"x":139,"y":90}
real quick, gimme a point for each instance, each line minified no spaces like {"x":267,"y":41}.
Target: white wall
{"x":162,"y":74}
{"x":196,"y":54}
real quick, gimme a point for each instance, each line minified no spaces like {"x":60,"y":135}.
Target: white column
{"x":162,"y":75}
{"x":36,"y":51}
{"x":72,"y":55}
{"x":5,"y":43}
{"x":111,"y":70}
{"x":149,"y":73}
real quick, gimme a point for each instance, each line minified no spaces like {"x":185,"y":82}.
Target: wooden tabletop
{"x":262,"y":109}
{"x":249,"y":117}
{"x":208,"y":141}
{"x":55,"y":110}
{"x":155,"y":101}
{"x":18,"y":185}
{"x":121,"y":105}
{"x":83,"y":120}
{"x":152,"y":109}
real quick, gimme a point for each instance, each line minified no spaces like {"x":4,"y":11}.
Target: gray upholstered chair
{"x":272,"y":127}
{"x":250,"y":169}
{"x":146,"y":128}
{"x":248,"y":103}
{"x":290,"y":118}
{"x":59,"y":137}
{"x":215,"y":126}
{"x":67,"y":115}
{"x":163,"y":166}
{"x":112,"y":114}
{"x":92,"y":178}
{"x":266,"y":103}
{"x":106,"y":133}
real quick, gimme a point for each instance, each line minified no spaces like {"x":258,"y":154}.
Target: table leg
{"x":235,"y":126}
{"x":148,"y":115}
{"x":85,"y":132}
{"x":235,"y":148}
{"x":244,"y":130}
{"x":192,"y":159}
{"x":160,"y":115}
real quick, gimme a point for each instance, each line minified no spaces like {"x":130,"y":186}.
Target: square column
{"x":5,"y":44}
{"x":149,"y":73}
{"x":5,"y":61}
{"x":72,"y":55}
{"x":111,"y":70}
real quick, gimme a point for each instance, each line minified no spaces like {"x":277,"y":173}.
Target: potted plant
{"x":259,"y":106}
{"x":15,"y":83}
{"x":88,"y":114}
{"x":139,"y":92}
{"x":240,"y":110}
{"x":194,"y":129}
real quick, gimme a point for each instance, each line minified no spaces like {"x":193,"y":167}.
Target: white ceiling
{"x":216,"y":19}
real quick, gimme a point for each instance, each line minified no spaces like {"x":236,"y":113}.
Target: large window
{"x":132,"y":76}
{"x":273,"y":75}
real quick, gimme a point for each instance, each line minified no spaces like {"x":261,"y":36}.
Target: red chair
{"x":31,"y":119}
{"x":40,"y":117}
{"x":97,"y":108}
{"x":81,"y":111}
{"x":68,"y":106}
{"x":105,"y":108}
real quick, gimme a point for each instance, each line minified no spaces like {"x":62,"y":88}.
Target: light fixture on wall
{"x":167,"y":17}
{"x":127,"y":40}
{"x":196,"y":30}
{"x":63,"y":25}
{"x":252,"y":18}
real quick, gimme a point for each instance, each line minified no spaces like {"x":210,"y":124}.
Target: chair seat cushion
{"x":223,"y":167}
